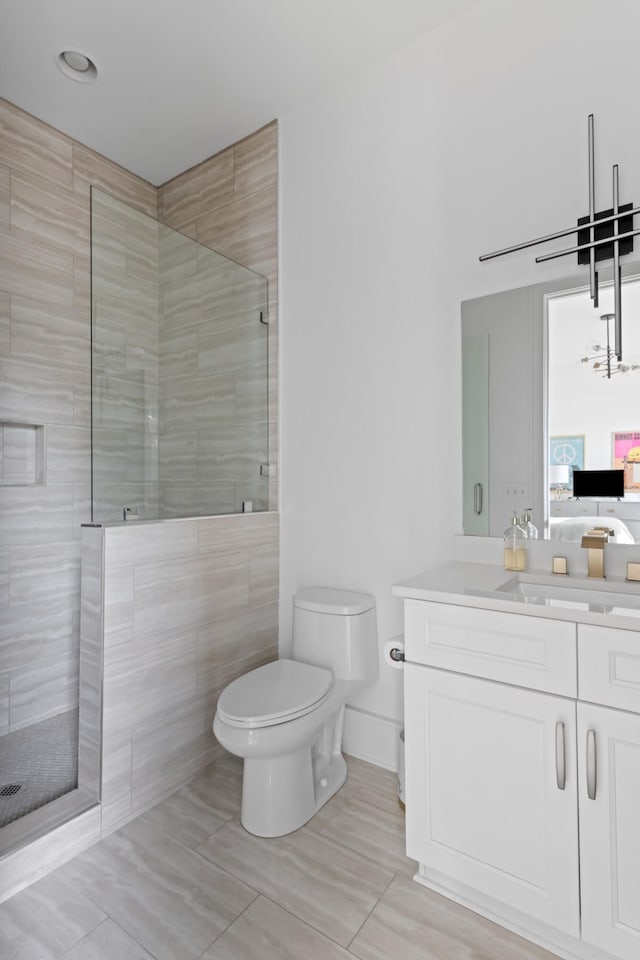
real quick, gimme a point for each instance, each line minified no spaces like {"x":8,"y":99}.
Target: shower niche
{"x":22,"y":453}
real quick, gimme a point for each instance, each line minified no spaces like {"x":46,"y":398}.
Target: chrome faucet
{"x":594,"y":541}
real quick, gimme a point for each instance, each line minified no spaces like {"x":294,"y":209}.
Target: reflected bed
{"x":574,"y":528}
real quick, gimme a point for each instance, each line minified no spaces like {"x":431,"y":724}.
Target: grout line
{"x":110,"y":919}
{"x":373,"y":908}
{"x":229,"y":925}
{"x":83,"y":936}
{"x":131,"y":937}
{"x":305,"y":923}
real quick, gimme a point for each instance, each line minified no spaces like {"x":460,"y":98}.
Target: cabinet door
{"x":483,"y":791}
{"x":610,"y":829}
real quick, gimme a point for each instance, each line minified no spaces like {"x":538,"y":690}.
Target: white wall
{"x":469,"y":139}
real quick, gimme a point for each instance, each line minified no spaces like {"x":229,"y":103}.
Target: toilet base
{"x":290,"y":769}
{"x":279,"y":794}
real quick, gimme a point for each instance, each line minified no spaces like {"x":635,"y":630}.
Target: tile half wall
{"x":181,"y":607}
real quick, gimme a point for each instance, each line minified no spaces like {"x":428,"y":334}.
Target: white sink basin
{"x":576,"y":594}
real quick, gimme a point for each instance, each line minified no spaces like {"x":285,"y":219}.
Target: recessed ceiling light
{"x":77,"y":66}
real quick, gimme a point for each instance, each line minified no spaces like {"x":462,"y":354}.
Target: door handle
{"x":561,"y":767}
{"x":592,"y":771}
{"x":477,"y":499}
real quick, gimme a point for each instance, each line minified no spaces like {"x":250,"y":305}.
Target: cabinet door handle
{"x":477,"y":499}
{"x":591,"y":764}
{"x":561,"y":768}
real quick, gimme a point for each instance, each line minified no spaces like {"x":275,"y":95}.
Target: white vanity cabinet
{"x":522,"y":739}
{"x":609,"y":776}
{"x":491,"y":791}
{"x":610,"y":829}
{"x":526,"y":651}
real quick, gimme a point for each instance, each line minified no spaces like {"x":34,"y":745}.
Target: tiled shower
{"x":46,"y":181}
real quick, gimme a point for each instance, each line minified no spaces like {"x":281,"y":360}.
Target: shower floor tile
{"x":41,"y":761}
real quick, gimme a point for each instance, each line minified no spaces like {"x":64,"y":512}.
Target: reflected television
{"x":598,"y":483}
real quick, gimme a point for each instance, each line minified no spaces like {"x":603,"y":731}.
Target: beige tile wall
{"x":91,"y":664}
{"x":187,"y":606}
{"x":44,"y":378}
{"x":179,"y":608}
{"x":230,"y":203}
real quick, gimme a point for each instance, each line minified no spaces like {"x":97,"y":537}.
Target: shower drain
{"x":9,"y":789}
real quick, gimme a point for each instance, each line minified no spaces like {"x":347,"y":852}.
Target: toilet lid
{"x":274,"y":693}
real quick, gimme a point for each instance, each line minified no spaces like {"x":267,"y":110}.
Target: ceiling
{"x":179,"y":80}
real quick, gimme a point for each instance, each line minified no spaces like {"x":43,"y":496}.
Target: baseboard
{"x":555,"y":942}
{"x":371,"y":738}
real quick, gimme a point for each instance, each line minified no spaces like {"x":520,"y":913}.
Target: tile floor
{"x":186,"y":882}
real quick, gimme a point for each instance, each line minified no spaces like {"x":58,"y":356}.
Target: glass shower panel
{"x":213,"y":421}
{"x":124,"y":375}
{"x":179,"y":373}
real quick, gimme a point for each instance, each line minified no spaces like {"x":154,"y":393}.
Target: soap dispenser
{"x":515,"y":551}
{"x":529,"y":528}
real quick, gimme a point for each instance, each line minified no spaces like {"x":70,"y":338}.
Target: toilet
{"x":285,"y":718}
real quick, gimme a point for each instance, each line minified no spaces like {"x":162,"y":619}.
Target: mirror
{"x":538,"y":404}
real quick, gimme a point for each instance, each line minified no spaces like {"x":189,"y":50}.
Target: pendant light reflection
{"x":602,"y":357}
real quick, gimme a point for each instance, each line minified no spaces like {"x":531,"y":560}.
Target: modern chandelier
{"x":602,"y":357}
{"x":602,"y":235}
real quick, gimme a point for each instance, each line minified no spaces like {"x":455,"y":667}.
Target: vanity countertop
{"x":613,"y":602}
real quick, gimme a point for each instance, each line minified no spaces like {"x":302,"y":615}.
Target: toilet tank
{"x":336,"y":629}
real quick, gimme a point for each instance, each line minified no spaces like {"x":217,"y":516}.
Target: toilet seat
{"x":275,"y":693}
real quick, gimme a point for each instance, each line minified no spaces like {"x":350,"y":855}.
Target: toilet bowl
{"x":285,"y":719}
